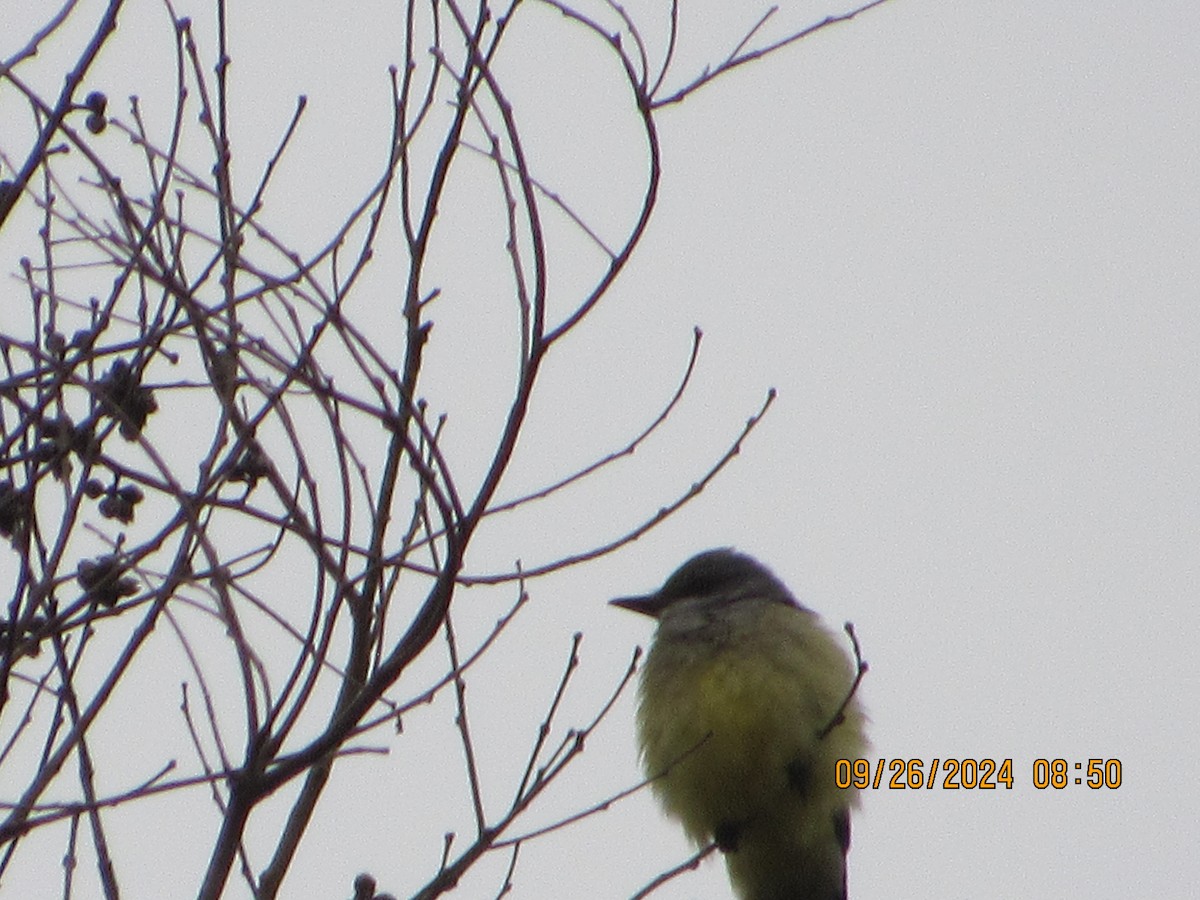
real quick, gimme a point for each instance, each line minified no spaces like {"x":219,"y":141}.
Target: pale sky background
{"x":962,"y":241}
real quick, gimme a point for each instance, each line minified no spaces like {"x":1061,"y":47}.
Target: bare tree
{"x":193,"y":412}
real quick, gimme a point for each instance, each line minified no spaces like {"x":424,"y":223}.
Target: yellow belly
{"x":723,"y":720}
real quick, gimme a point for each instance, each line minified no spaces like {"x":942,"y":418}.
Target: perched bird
{"x":746,"y":702}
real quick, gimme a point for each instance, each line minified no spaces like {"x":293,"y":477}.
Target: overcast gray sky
{"x":961,"y":241}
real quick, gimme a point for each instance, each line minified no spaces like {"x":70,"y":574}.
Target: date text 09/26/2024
{"x":975,"y":774}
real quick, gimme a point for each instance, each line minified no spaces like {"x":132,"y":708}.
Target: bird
{"x":746,"y":702}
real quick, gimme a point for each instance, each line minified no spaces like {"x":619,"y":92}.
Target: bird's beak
{"x":649,"y":605}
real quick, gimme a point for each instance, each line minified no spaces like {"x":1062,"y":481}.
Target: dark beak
{"x":649,"y":605}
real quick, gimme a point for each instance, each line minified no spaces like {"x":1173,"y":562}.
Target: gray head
{"x":714,"y":573}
